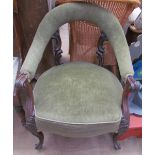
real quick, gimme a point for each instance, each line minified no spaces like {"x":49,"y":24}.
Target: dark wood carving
{"x":31,"y":126}
{"x":18,"y":106}
{"x":18,"y":32}
{"x":130,"y":85}
{"x":56,"y":43}
{"x":23,"y":83}
{"x":100,"y":48}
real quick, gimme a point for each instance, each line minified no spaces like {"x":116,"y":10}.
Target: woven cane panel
{"x":84,"y":35}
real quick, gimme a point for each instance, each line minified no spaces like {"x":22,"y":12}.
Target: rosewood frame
{"x":18,"y":30}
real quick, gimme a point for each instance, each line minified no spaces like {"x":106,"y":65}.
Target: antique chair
{"x":77,"y":99}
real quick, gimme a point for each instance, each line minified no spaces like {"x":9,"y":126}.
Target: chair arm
{"x":130,"y":85}
{"x":22,"y":82}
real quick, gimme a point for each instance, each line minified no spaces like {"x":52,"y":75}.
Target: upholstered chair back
{"x":75,"y":11}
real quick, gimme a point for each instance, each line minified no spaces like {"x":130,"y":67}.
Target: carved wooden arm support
{"x":130,"y":85}
{"x":22,"y":82}
{"x":56,"y":43}
{"x":100,"y":48}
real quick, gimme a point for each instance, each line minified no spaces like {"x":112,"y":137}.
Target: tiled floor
{"x":57,"y":145}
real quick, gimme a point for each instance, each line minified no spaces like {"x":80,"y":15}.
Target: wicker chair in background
{"x":84,"y":35}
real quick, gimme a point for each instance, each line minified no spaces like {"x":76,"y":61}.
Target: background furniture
{"x":18,"y":33}
{"x":84,"y":35}
{"x":136,"y":48}
{"x":132,"y":34}
{"x":135,"y":25}
{"x":26,"y":17}
{"x":135,"y":128}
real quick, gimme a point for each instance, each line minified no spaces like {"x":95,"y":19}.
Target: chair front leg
{"x":130,"y":85}
{"x":17,"y":104}
{"x":23,"y":83}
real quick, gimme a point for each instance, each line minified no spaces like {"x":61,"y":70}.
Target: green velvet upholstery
{"x":79,"y":11}
{"x":78,"y":99}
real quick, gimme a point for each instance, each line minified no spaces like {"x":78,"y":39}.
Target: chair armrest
{"x":130,"y":85}
{"x":23,"y":82}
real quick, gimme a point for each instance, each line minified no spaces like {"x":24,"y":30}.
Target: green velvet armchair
{"x":76,"y":99}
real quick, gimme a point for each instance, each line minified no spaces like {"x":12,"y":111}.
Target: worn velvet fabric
{"x":78,"y":99}
{"x":79,"y":11}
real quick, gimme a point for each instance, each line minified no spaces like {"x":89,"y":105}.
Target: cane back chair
{"x":84,"y":35}
{"x":77,"y":99}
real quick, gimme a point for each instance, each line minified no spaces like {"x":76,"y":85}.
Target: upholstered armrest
{"x":79,"y":11}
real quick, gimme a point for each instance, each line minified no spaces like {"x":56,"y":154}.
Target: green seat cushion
{"x":78,"y":99}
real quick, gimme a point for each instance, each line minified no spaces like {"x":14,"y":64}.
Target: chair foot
{"x":31,"y":127}
{"x":41,"y":140}
{"x":117,"y":146}
{"x":124,"y":125}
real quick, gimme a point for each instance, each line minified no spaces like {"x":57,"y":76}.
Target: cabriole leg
{"x":18,"y":107}
{"x":124,"y":125}
{"x":31,"y":126}
{"x":117,"y":146}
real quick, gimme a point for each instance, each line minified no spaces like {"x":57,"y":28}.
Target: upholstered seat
{"x":78,"y":99}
